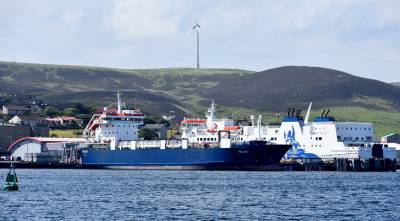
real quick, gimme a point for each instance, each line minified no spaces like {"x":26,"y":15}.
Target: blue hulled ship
{"x":114,"y":143}
{"x":253,"y":155}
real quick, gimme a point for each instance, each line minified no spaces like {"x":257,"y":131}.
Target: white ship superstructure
{"x":327,"y":139}
{"x":208,"y":130}
{"x":112,"y":127}
{"x":324,"y":138}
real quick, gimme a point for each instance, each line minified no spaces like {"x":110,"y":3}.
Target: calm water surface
{"x":200,"y":195}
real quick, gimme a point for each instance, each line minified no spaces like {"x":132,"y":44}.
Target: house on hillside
{"x":12,"y":110}
{"x":70,"y":121}
{"x":64,"y":121}
{"x":160,"y":129}
{"x":35,"y":109}
{"x":26,"y":120}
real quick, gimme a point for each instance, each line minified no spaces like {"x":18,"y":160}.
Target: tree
{"x":51,"y":111}
{"x":148,"y":134}
{"x":71,"y":112}
{"x":82,"y":109}
{"x":153,"y":119}
{"x":84,"y":117}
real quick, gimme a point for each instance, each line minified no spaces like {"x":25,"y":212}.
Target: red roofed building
{"x":64,"y":121}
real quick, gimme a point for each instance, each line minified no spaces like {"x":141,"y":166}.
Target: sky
{"x":361,"y":37}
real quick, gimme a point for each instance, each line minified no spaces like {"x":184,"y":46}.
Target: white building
{"x":31,"y":148}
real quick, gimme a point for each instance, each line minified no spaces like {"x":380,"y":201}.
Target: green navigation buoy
{"x":11,"y":180}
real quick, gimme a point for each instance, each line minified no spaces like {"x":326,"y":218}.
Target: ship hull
{"x":255,"y":155}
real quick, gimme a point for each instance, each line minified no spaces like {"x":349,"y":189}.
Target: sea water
{"x":200,"y":195}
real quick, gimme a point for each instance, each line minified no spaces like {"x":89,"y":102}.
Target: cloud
{"x":389,"y":11}
{"x":143,"y":18}
{"x":299,"y":15}
{"x":237,"y":16}
{"x":72,"y":17}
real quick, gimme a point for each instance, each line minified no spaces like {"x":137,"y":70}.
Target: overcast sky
{"x":360,"y":37}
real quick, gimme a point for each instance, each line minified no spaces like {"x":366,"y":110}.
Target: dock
{"x":341,"y":164}
{"x":40,"y":165}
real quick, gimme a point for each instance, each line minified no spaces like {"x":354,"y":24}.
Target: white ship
{"x":327,"y":139}
{"x":322,"y":139}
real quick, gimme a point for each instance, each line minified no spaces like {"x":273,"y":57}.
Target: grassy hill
{"x":189,"y":91}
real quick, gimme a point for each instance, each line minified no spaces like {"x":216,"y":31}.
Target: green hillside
{"x":189,"y":91}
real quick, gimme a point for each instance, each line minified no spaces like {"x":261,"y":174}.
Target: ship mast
{"x":211,"y":116}
{"x":119,"y":103}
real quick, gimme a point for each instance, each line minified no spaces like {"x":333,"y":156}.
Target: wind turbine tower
{"x":197,"y":28}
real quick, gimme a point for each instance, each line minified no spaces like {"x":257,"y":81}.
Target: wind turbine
{"x":197,"y":28}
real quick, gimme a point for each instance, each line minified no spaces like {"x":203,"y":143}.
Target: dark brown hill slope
{"x":397,"y":84}
{"x":279,"y":88}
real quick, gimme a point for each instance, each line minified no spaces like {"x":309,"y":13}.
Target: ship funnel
{"x":327,"y":112}
{"x":323,"y":113}
{"x":293,"y":110}
{"x":308,"y":113}
{"x":290,"y":110}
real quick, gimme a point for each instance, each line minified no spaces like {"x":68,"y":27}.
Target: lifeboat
{"x":230,"y":128}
